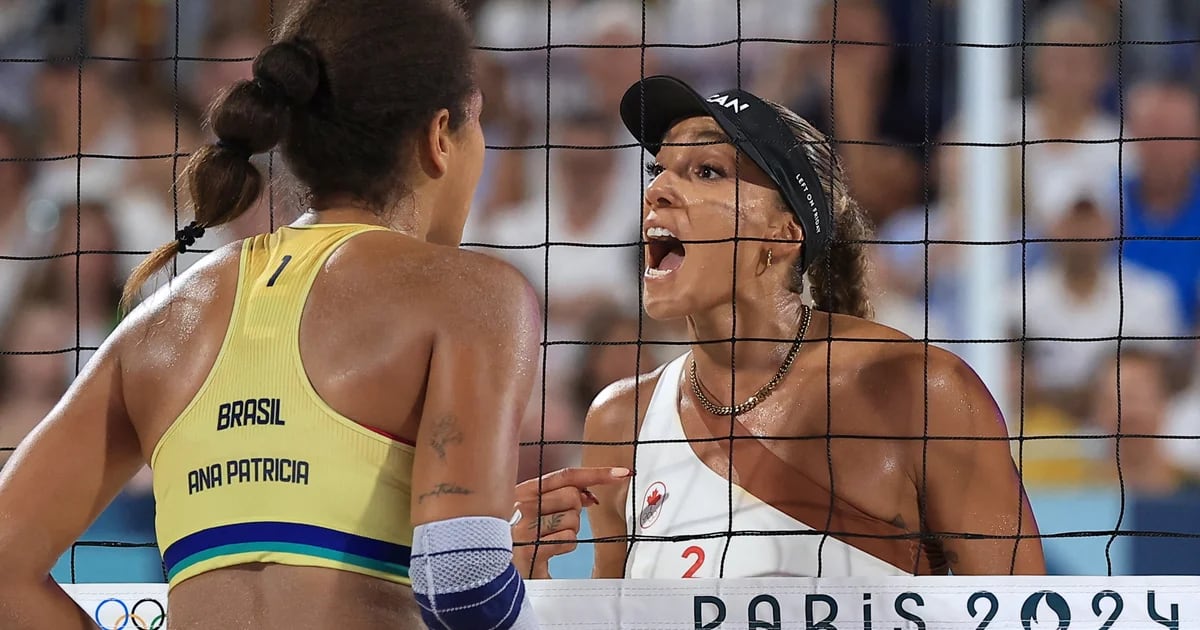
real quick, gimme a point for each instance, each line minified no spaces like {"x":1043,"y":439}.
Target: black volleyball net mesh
{"x":1057,"y":254}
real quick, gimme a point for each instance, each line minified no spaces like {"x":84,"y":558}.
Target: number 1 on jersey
{"x":275,"y":276}
{"x":693,"y":551}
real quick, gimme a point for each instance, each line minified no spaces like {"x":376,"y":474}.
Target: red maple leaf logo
{"x":654,"y":497}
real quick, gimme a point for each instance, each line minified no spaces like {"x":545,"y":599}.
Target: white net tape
{"x":921,"y":603}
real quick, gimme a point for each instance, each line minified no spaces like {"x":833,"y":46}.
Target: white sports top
{"x":678,"y":495}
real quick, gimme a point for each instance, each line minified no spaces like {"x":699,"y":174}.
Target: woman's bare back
{"x":267,"y":596}
{"x":366,"y":340}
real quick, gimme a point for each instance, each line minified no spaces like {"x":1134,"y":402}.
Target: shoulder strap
{"x":664,"y":402}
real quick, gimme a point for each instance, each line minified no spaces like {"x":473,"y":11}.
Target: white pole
{"x":984,"y":79}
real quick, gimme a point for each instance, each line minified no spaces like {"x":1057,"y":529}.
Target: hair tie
{"x":186,"y":237}
{"x":237,"y":148}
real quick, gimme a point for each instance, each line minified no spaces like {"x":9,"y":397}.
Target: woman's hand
{"x":549,"y":510}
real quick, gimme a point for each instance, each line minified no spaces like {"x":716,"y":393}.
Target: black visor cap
{"x":651,"y":106}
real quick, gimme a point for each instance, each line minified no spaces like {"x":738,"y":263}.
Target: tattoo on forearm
{"x":443,"y":489}
{"x":549,"y":523}
{"x":445,"y":433}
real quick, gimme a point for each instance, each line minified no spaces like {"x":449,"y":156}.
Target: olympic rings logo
{"x":145,"y":614}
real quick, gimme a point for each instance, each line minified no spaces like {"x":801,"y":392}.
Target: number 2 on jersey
{"x":693,"y":551}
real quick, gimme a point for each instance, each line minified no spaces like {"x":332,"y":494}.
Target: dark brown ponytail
{"x":250,"y":117}
{"x":839,"y":281}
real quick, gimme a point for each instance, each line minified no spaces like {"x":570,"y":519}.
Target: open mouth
{"x":664,"y":252}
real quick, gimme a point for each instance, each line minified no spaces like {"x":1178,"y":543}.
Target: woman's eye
{"x":703,"y":172}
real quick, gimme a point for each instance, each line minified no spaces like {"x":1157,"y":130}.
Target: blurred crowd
{"x":1079,"y":300}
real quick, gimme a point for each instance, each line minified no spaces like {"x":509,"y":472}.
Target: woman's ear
{"x":436,"y":145}
{"x":787,"y":239}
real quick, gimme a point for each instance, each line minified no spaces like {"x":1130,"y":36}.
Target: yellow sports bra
{"x":258,"y":468}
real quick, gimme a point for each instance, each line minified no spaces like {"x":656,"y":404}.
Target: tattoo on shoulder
{"x":445,"y":433}
{"x":443,"y":489}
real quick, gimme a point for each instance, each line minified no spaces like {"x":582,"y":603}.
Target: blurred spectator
{"x":235,"y":44}
{"x":85,"y":277}
{"x":896,"y":296}
{"x":1157,"y":21}
{"x":1079,"y":293}
{"x":1056,"y":174}
{"x":549,"y":417}
{"x":1054,"y":450}
{"x":505,"y":123}
{"x":15,"y":175}
{"x":703,"y":24}
{"x":590,"y":77}
{"x":1163,"y":200}
{"x":594,"y":201}
{"x":81,"y":112}
{"x":1143,"y":381}
{"x":618,"y":60}
{"x":1183,"y":419}
{"x":147,"y":212}
{"x":24,"y":226}
{"x":927,"y":276}
{"x":146,"y":29}
{"x":609,"y":68}
{"x":129,"y":28}
{"x":614,"y":353}
{"x":524,"y":23}
{"x":20,"y":37}
{"x":847,"y":91}
{"x":1065,"y":103}
{"x":522,"y":29}
{"x":31,"y":384}
{"x":609,"y":352}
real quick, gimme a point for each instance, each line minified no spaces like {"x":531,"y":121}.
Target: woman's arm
{"x":607,"y":434}
{"x":56,"y":484}
{"x":481,"y":373}
{"x":971,"y":485}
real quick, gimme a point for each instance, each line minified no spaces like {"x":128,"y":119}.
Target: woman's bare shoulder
{"x":179,"y":307}
{"x":613,"y":412}
{"x":894,"y":371}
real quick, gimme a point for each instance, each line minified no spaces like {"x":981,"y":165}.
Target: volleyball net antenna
{"x":1030,"y":169}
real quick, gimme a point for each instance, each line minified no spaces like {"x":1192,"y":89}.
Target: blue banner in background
{"x":1166,"y":555}
{"x":1065,"y":515}
{"x":1079,"y":525}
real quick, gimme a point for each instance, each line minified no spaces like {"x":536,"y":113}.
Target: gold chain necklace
{"x":762,"y":393}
